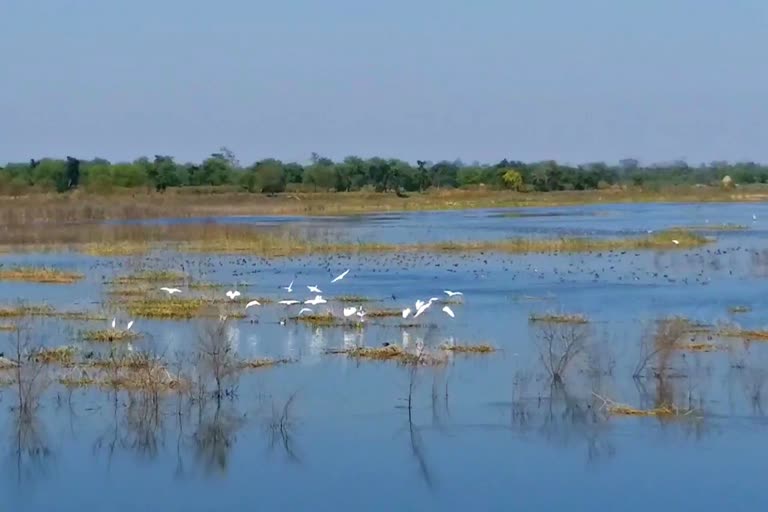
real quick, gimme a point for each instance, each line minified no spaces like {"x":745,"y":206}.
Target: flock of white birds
{"x":420,"y":307}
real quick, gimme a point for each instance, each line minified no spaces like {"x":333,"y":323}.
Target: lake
{"x":488,"y":431}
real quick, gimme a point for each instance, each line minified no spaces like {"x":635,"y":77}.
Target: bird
{"x":304,"y":310}
{"x":419,"y":303}
{"x":676,"y":242}
{"x":114,"y":322}
{"x":406,"y":312}
{"x":317,"y":300}
{"x":252,"y":303}
{"x":289,"y":302}
{"x":128,"y":327}
{"x":451,"y":294}
{"x":289,"y":288}
{"x":314,"y":289}
{"x":170,"y":291}
{"x":448,"y":311}
{"x":232,"y":294}
{"x":361,"y":314}
{"x":340,"y":276}
{"x":349,"y":311}
{"x":424,"y":307}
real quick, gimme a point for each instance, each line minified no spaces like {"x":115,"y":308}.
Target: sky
{"x":571,"y":80}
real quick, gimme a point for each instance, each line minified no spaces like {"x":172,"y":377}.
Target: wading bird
{"x":451,"y":294}
{"x":252,"y":303}
{"x":317,"y":300}
{"x":232,"y":294}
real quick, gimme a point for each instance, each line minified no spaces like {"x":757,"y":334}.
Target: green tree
{"x":512,"y":180}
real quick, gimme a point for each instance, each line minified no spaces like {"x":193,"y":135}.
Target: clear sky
{"x":572,"y":80}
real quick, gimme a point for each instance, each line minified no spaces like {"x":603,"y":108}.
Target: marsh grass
{"x":558,"y":318}
{"x":384,"y":313}
{"x":25,"y":310}
{"x":755,"y":335}
{"x":150,"y":276}
{"x":7,"y":327}
{"x":666,"y":410}
{"x":57,"y":355}
{"x":739,"y":309}
{"x":255,"y":364}
{"x":483,"y":348}
{"x":391,"y":353}
{"x":323,"y":320}
{"x":167,"y":308}
{"x":108,"y":335}
{"x":713,"y":227}
{"x":700,"y":347}
{"x":350,"y":299}
{"x":39,"y":275}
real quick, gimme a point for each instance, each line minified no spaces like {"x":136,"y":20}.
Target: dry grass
{"x":167,"y":308}
{"x":558,"y":318}
{"x":108,"y":335}
{"x":255,"y":364}
{"x":384,"y":313}
{"x":714,"y":227}
{"x":26,"y":310}
{"x":58,"y":355}
{"x":700,"y":347}
{"x":39,"y":275}
{"x":664,"y":410}
{"x":389,"y":353}
{"x":8,"y":327}
{"x":150,"y":276}
{"x":352,"y":299}
{"x":322,"y":320}
{"x":469,"y":349}
{"x":746,"y":334}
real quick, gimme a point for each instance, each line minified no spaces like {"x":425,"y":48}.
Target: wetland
{"x":597,"y":357}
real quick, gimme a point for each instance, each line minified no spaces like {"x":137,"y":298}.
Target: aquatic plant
{"x":58,"y":355}
{"x":560,"y":318}
{"x":108,"y":335}
{"x":39,"y":275}
{"x":469,"y":349}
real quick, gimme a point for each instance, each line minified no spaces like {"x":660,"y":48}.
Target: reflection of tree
{"x":280,"y":427}
{"x":215,"y":436}
{"x":29,"y":445}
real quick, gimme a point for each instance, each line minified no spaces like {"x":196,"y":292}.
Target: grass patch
{"x":555,"y":318}
{"x":700,"y":347}
{"x":388,"y":353}
{"x":39,"y":275}
{"x":469,"y":349}
{"x":349,"y":299}
{"x":27,"y":310}
{"x":384,"y":313}
{"x":714,"y":227}
{"x":664,"y":410}
{"x":108,"y":335}
{"x":739,"y":309}
{"x":255,"y":364}
{"x":320,"y":320}
{"x":761,"y":335}
{"x":150,"y":276}
{"x":58,"y":355}
{"x":8,"y":327}
{"x":168,"y":308}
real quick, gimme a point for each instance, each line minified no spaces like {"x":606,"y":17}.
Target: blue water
{"x":486,"y":432}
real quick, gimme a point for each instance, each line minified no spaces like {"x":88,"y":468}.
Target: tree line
{"x":222,"y":169}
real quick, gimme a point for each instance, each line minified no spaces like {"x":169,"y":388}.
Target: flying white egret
{"x":304,"y":310}
{"x":419,"y":303}
{"x":128,"y":327}
{"x":252,"y":303}
{"x":289,"y":288}
{"x":317,"y":300}
{"x":170,"y":291}
{"x":361,"y":314}
{"x":451,"y":294}
{"x":289,"y":302}
{"x":314,"y":289}
{"x":424,"y":306}
{"x":349,"y":311}
{"x":676,"y":242}
{"x":232,"y":294}
{"x":406,"y":312}
{"x":448,"y":311}
{"x":340,"y":276}
{"x":114,"y":323}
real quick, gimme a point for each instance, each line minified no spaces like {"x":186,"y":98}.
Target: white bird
{"x":406,"y":312}
{"x":451,"y":294}
{"x":361,"y":314}
{"x":252,"y":303}
{"x":128,"y":327}
{"x":289,"y":302}
{"x":170,"y":291}
{"x":424,"y":306}
{"x":349,"y":311}
{"x":419,"y":303}
{"x":304,"y":310}
{"x":676,"y":242}
{"x":289,"y":288}
{"x":314,"y":289}
{"x":448,"y":311}
{"x":317,"y":300}
{"x":754,"y":217}
{"x":114,"y":322}
{"x":340,"y":276}
{"x":232,"y":294}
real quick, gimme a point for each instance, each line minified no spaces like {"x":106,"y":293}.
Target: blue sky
{"x":572,"y":80}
